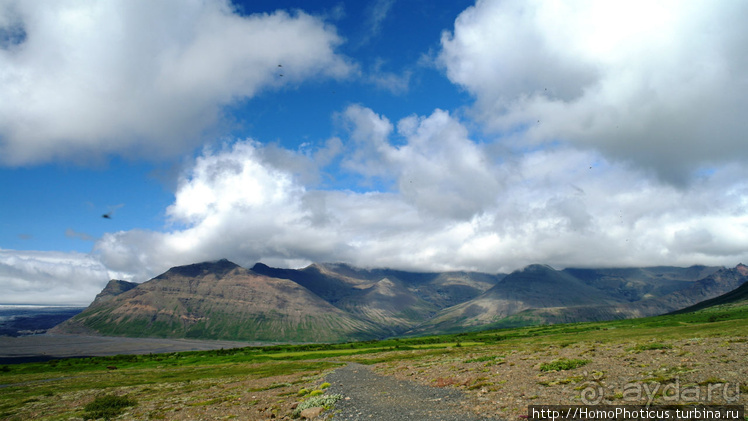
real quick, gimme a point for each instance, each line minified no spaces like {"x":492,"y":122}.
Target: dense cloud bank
{"x":452,"y":204}
{"x":32,"y":277}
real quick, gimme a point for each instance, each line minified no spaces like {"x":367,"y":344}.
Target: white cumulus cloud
{"x":81,"y":80}
{"x":657,"y":83}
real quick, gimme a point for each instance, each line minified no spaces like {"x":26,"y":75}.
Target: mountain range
{"x":337,"y":302}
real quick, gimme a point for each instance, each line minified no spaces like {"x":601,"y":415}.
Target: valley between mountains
{"x":339,"y":303}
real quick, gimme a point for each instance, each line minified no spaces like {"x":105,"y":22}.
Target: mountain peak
{"x":537,"y":268}
{"x":260,"y":267}
{"x":742,"y":269}
{"x":112,"y":289}
{"x":216,"y":267}
{"x":386,"y":287}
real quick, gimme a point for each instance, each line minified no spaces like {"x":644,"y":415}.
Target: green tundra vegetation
{"x":161,"y":386}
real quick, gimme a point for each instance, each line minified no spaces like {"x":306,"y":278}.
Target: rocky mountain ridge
{"x":338,"y":302}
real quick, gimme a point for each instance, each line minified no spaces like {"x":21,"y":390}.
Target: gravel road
{"x":369,"y":396}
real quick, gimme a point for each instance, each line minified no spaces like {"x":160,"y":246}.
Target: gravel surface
{"x":370,"y":396}
{"x":49,"y":346}
{"x":505,"y":380}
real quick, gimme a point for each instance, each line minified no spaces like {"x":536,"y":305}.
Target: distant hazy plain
{"x":18,"y":343}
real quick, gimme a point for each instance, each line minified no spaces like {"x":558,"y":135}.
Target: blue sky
{"x":413,"y":134}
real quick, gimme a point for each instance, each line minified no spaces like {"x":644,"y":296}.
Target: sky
{"x":410,"y":134}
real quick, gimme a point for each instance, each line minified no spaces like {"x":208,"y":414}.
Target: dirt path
{"x":369,"y":396}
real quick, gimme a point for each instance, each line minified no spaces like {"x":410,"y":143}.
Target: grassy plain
{"x":490,"y":366}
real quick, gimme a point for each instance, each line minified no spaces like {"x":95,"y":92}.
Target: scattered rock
{"x":311,"y":413}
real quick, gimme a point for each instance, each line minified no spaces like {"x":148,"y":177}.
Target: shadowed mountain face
{"x":736,"y":297}
{"x":540,"y":294}
{"x":536,"y":286}
{"x":634,"y":284}
{"x":394,"y":300}
{"x":337,"y":302}
{"x":336,"y":281}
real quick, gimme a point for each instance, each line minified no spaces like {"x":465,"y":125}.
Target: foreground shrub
{"x":324,"y":401}
{"x":107,"y":407}
{"x":563,"y":364}
{"x":652,"y":346}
